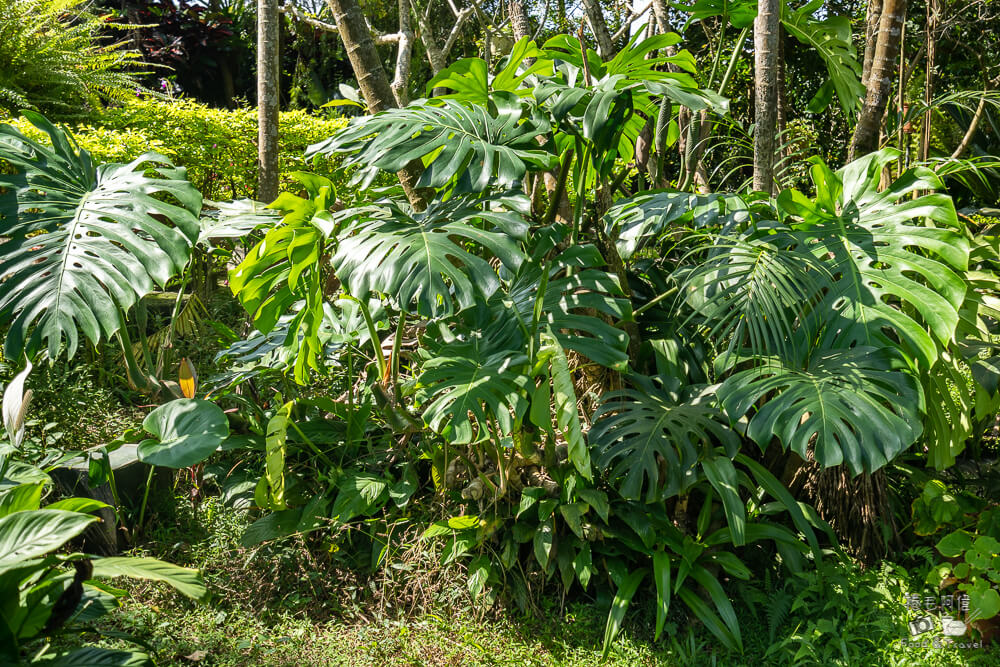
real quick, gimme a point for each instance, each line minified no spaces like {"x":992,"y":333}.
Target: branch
{"x":299,"y":15}
{"x":460,"y":20}
{"x":633,"y":15}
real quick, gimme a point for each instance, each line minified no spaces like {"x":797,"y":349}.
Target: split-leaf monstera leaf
{"x":83,"y":243}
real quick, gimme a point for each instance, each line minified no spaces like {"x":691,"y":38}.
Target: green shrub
{"x":217,"y":146}
{"x":53,"y":58}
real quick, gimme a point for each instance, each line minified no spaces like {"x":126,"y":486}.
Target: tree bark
{"x":782,"y":135}
{"x":267,"y":100}
{"x":518,"y":19}
{"x":879,"y":82}
{"x":373,"y":82}
{"x":404,"y":55}
{"x":933,"y":12}
{"x":872,"y":18}
{"x":595,"y":17}
{"x":765,"y":41}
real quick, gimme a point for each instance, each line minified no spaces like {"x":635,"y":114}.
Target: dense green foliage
{"x":53,"y":59}
{"x":216,"y":146}
{"x":556,"y":367}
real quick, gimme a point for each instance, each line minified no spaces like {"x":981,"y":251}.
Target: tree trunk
{"x":783,"y":150}
{"x":595,"y":17}
{"x":372,"y":81}
{"x":518,"y":19}
{"x":765,"y":41}
{"x":872,"y":18}
{"x":267,"y":100}
{"x":404,"y":55}
{"x":933,"y":11}
{"x":880,"y":76}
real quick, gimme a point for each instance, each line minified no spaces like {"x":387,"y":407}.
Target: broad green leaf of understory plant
{"x":359,"y":494}
{"x":33,"y":533}
{"x":469,"y":146}
{"x":471,"y":81}
{"x":284,"y":269}
{"x":831,"y":37}
{"x":635,"y":429}
{"x":754,"y":292}
{"x":83,"y":243}
{"x":274,"y":455}
{"x":187,"y":431}
{"x":574,"y":289}
{"x":421,"y":259}
{"x":185,"y":580}
{"x":895,"y":274}
{"x":634,"y":222}
{"x":235,"y":219}
{"x":567,"y":415}
{"x":619,"y":606}
{"x":853,"y":406}
{"x":463,"y":388}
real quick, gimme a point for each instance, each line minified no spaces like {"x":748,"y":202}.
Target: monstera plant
{"x":84,"y":243}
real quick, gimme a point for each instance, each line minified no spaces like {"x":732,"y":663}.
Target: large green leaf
{"x":567,"y":300}
{"x":187,"y":430}
{"x":754,"y":292}
{"x":183,"y":579}
{"x":469,"y":145}
{"x":234,"y":219}
{"x":462,"y":388}
{"x":81,"y":242}
{"x":421,"y":259}
{"x":636,"y":428}
{"x":832,"y":38}
{"x":641,"y":219}
{"x":283,"y":272}
{"x":32,"y":533}
{"x":275,"y":443}
{"x":896,"y":275}
{"x":359,"y":494}
{"x":619,"y":606}
{"x":851,"y":406}
{"x":471,"y":81}
{"x":567,"y":413}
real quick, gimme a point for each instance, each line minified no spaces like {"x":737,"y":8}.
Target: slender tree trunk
{"x":404,"y":56}
{"x":872,"y":18}
{"x":518,"y":19}
{"x":971,"y":130}
{"x":595,"y":16}
{"x":267,"y":100}
{"x":372,"y":80}
{"x":880,"y":77}
{"x":783,"y":151}
{"x":931,"y":42}
{"x":765,"y":41}
{"x":661,"y":13}
{"x":434,"y":54}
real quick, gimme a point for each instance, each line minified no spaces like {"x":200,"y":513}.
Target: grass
{"x":282,"y":605}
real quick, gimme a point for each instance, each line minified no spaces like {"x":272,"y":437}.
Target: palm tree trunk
{"x":372,"y":81}
{"x":765,"y":41}
{"x":267,"y":100}
{"x":879,"y":80}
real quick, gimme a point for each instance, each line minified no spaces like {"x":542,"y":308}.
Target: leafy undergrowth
{"x":286,"y":605}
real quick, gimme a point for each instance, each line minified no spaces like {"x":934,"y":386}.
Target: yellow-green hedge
{"x":217,"y":146}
